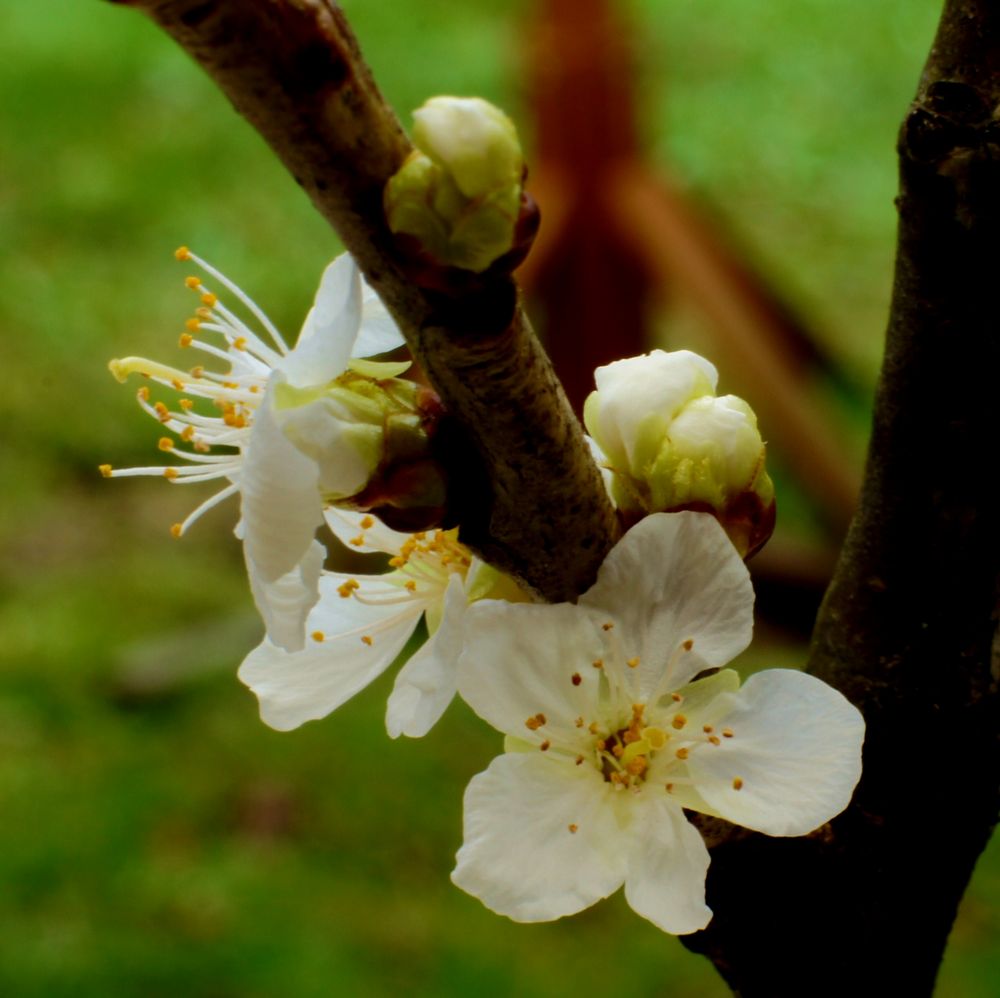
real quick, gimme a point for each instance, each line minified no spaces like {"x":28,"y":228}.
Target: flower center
{"x":624,"y":755}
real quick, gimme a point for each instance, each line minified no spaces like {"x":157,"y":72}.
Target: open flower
{"x":292,"y":428}
{"x":617,"y":720}
{"x":361,"y":623}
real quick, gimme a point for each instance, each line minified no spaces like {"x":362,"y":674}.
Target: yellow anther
{"x":182,"y":253}
{"x":681,"y":753}
{"x":397,"y":562}
{"x":707,"y":728}
{"x":318,"y":636}
{"x":578,"y":722}
{"x":105,"y":470}
{"x":420,"y":535}
{"x":358,"y":541}
{"x":367,"y":522}
{"x":346,"y":588}
{"x":579,"y":760}
{"x":617,"y":751}
{"x":410,"y":585}
{"x":688,"y":645}
{"x":573,"y":828}
{"x":546,"y":745}
{"x":198,"y":372}
{"x":737,"y":783}
{"x":186,"y":404}
{"x":162,"y":412}
{"x":669,"y":787}
{"x":170,"y":473}
{"x":187,"y":433}
{"x":202,"y":312}
{"x":607,"y":626}
{"x":598,"y":663}
{"x":534,"y":723}
{"x":576,"y":679}
{"x":143,"y":393}
{"x":165,"y":443}
{"x":254,"y":389}
{"x":637,"y":766}
{"x":192,"y":325}
{"x":727,"y":732}
{"x":632,"y":662}
{"x":593,"y":729}
{"x":679,"y":721}
{"x":676,"y":697}
{"x":240,"y":343}
{"x":715,"y":740}
{"x":178,"y":384}
{"x":231,"y":384}
{"x":177,"y":529}
{"x":209,"y":300}
{"x":192,"y":282}
{"x":366,"y":639}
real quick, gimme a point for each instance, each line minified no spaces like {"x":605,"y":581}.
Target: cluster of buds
{"x":670,"y":443}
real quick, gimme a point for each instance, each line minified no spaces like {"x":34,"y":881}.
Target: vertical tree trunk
{"x":908,"y":629}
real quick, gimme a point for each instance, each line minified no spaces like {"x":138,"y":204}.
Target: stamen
{"x":105,"y":470}
{"x":688,"y":645}
{"x":607,"y":626}
{"x":318,"y":636}
{"x":632,"y":663}
{"x":367,"y":523}
{"x":579,"y":722}
{"x":182,"y":253}
{"x":714,"y":739}
{"x":679,"y":721}
{"x":534,"y":723}
{"x":546,"y":745}
{"x":579,"y":760}
{"x":576,"y":678}
{"x":727,"y":732}
{"x":573,"y":828}
{"x":598,"y":663}
{"x":366,"y":639}
{"x":177,"y":529}
{"x":737,"y":783}
{"x":682,"y":753}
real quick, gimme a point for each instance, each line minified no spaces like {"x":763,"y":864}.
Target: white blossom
{"x":361,"y":623}
{"x":616,"y":720}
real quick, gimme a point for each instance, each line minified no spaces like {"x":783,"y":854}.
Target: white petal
{"x":796,"y":747}
{"x":281,"y":506}
{"x":346,"y":525}
{"x":426,"y":684}
{"x":285,"y":603}
{"x":668,"y":863}
{"x":519,"y":661}
{"x":295,"y":687}
{"x":603,"y":465}
{"x":520,"y":857}
{"x":379,"y":332}
{"x":675,"y":577}
{"x":330,"y":329}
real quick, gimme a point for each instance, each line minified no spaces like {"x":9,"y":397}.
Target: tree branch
{"x":531,"y":501}
{"x":908,"y":629}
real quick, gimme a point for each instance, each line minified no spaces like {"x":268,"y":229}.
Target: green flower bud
{"x":458,"y":195}
{"x":671,"y":444}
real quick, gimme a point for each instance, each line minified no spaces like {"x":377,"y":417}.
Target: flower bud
{"x":671,"y":444}
{"x":458,"y":195}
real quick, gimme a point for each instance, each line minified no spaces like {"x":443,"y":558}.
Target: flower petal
{"x":795,"y":750}
{"x":300,"y":686}
{"x":520,"y":660}
{"x":668,"y":863}
{"x":285,"y":603}
{"x":379,"y":332}
{"x":541,"y":839}
{"x":675,"y":577}
{"x":330,"y":328}
{"x":426,"y":684}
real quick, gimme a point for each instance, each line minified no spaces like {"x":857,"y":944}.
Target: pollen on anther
{"x":534,"y":723}
{"x":143,"y":393}
{"x":186,"y":404}
{"x":727,"y":732}
{"x":209,"y":300}
{"x":632,"y":663}
{"x":358,"y":541}
{"x":707,"y":728}
{"x":345,"y":589}
{"x":546,"y":745}
{"x":688,"y":645}
{"x":162,"y":412}
{"x":669,"y":787}
{"x":192,"y":282}
{"x":182,"y":253}
{"x":410,"y":586}
{"x":367,"y":523}
{"x":598,"y":663}
{"x":715,"y":740}
{"x":737,"y":783}
{"x":679,"y":721}
{"x":676,"y":697}
{"x":318,"y":636}
{"x":607,"y":626}
{"x":192,"y":326}
{"x":170,"y":473}
{"x":366,"y":639}
{"x":178,"y":384}
{"x":165,"y":443}
{"x":573,"y":828}
{"x":579,"y":760}
{"x":105,"y":470}
{"x":576,"y":678}
{"x":681,"y":753}
{"x":176,"y":529}
{"x":240,"y":343}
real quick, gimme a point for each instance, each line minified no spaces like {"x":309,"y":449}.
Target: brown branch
{"x":532,"y":502}
{"x":908,"y":629}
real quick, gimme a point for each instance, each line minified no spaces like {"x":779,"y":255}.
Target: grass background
{"x":155,"y":838}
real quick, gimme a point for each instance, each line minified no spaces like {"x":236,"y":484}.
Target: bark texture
{"x":531,"y":500}
{"x":908,"y":628}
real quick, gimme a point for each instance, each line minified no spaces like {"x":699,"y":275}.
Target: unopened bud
{"x":671,"y":444}
{"x":458,"y":195}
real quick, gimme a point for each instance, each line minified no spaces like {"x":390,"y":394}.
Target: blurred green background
{"x":155,"y":837}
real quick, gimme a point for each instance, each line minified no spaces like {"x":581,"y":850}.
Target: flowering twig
{"x":908,"y":630}
{"x":293,"y":69}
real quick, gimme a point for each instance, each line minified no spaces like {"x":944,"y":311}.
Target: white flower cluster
{"x":618,"y":712}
